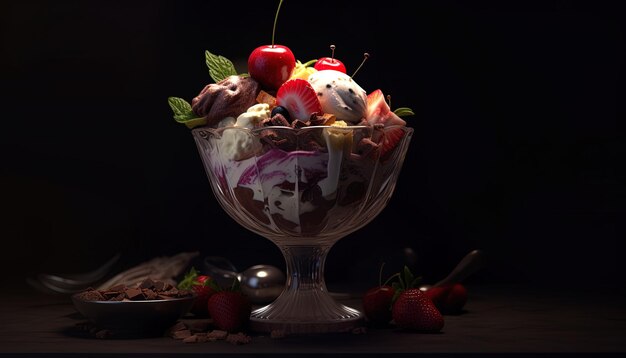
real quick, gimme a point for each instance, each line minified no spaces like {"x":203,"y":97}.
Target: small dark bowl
{"x":134,"y":318}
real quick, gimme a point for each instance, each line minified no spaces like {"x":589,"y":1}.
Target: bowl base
{"x":305,"y":328}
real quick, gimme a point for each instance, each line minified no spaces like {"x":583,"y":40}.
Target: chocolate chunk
{"x":149,"y":294}
{"x":92,"y":295}
{"x":147,"y":283}
{"x":159,"y":285}
{"x":297,"y":123}
{"x":117,"y":288}
{"x":366,"y":146}
{"x":146,"y":290}
{"x":134,"y":294}
{"x":110,"y":294}
{"x":119,"y":297}
{"x":173,"y":292}
{"x":279,"y":120}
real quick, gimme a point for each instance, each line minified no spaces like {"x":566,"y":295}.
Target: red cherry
{"x":271,"y":65}
{"x":330,"y":63}
{"x":377,"y":304}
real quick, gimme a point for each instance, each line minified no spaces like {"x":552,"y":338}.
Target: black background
{"x":517,"y":148}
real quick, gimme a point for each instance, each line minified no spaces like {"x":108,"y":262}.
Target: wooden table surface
{"x":498,"y":320}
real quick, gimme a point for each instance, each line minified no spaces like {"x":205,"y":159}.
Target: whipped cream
{"x":237,"y":143}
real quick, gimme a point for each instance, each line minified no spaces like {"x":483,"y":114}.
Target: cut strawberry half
{"x":299,"y":98}
{"x":378,"y":111}
{"x":393,"y":136}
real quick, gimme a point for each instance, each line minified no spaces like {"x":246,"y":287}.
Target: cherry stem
{"x":380,"y":275}
{"x":332,"y":55}
{"x":275,"y":21}
{"x":397,"y":274}
{"x":365,"y":57}
{"x":389,"y":100}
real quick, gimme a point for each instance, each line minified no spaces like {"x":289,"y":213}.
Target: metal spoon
{"x":471,"y":263}
{"x":261,"y":283}
{"x":71,"y":283}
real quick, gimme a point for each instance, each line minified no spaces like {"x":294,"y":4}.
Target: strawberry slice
{"x":378,"y":111}
{"x":393,"y":135}
{"x":299,"y":98}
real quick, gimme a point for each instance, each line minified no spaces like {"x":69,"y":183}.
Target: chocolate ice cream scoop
{"x":228,"y":98}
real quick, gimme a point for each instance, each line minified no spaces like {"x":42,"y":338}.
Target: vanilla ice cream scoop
{"x":339,"y":95}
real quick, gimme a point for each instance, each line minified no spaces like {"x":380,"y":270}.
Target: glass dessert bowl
{"x":303,"y":189}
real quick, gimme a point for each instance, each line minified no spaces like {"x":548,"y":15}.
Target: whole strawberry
{"x":203,"y":286}
{"x":230,"y":309}
{"x":413,"y":310}
{"x":449,"y":299}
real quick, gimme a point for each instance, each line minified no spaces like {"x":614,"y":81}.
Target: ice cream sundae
{"x":299,"y":158}
{"x":299,"y":153}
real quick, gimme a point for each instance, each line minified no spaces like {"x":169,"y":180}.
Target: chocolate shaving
{"x":147,"y":290}
{"x":297,"y":123}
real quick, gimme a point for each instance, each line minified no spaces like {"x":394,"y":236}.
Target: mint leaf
{"x":180,"y":107}
{"x":188,"y":280}
{"x":403,"y":111}
{"x":184,"y":114}
{"x":194,"y":122}
{"x":219,"y":67}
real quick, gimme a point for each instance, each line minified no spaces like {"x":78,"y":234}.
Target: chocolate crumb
{"x":238,"y":339}
{"x":103,"y":334}
{"x":182,"y":334}
{"x":191,"y":339}
{"x":217,"y":335}
{"x":277,"y":333}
